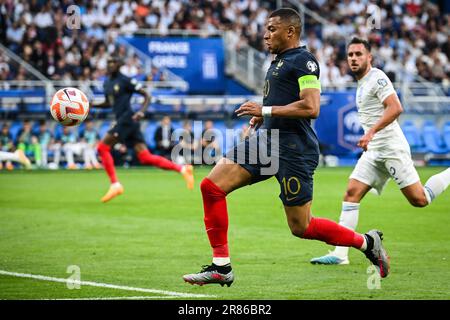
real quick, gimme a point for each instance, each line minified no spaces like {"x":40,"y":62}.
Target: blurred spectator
{"x":6,"y":145}
{"x":210,"y":145}
{"x":27,"y":142}
{"x":90,"y":139}
{"x":71,"y":146}
{"x":36,"y":31}
{"x":163,"y":138}
{"x":45,"y":140}
{"x":189,"y":145}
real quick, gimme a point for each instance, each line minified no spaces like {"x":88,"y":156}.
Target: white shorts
{"x":375,"y":167}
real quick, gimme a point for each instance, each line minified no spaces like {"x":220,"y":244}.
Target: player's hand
{"x":138,"y":116}
{"x":249,"y":108}
{"x":365,"y":139}
{"x":256,"y":122}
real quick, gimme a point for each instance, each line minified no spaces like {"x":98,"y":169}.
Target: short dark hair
{"x":357,"y":40}
{"x":290,"y":16}
{"x":116,"y":59}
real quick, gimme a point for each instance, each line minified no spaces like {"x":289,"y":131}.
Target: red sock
{"x":216,"y":217}
{"x":145,"y":157}
{"x":333,"y":233}
{"x":107,"y":161}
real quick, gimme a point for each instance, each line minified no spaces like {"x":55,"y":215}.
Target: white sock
{"x":436,"y":185}
{"x":9,"y":156}
{"x":364,"y":245}
{"x":349,"y":219}
{"x":116,"y":184}
{"x":221,"y":261}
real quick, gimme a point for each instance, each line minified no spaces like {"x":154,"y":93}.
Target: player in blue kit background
{"x":118,"y":91}
{"x":291,"y":100}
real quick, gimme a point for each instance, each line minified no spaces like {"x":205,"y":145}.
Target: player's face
{"x":358,"y":58}
{"x":113,"y":66}
{"x":276,"y":35}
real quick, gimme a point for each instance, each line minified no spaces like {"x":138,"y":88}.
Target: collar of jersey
{"x":366,"y":75}
{"x":289,"y":51}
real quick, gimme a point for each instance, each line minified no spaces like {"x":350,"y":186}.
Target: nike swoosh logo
{"x":289,"y":199}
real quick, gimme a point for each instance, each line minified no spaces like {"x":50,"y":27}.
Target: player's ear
{"x":291,"y":31}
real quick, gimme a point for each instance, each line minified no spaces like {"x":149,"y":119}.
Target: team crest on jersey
{"x":116,"y":88}
{"x":311,"y":65}
{"x":280,"y":63}
{"x":382,"y":82}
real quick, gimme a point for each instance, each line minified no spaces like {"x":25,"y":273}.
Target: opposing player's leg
{"x":420,"y":195}
{"x":303,"y":225}
{"x":225,"y":177}
{"x":104,"y":151}
{"x":147,"y":158}
{"x":17,"y":156}
{"x":356,"y":190}
{"x":369,"y":173}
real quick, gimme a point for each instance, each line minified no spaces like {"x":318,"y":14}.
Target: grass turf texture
{"x":154,"y":233}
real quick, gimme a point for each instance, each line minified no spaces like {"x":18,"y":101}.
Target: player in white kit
{"x":386,"y":150}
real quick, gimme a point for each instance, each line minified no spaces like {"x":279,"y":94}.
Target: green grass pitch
{"x":153,"y":234}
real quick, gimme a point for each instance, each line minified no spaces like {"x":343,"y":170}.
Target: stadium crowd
{"x":409,"y":37}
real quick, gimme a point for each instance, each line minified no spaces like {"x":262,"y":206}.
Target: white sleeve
{"x":384,"y":87}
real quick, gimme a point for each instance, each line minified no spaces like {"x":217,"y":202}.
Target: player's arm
{"x":392,"y":110}
{"x":307,"y":107}
{"x":141,"y":113}
{"x":102,"y":105}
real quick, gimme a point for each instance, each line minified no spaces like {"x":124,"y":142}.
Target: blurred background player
{"x":118,"y":91}
{"x":386,"y":150}
{"x":291,"y":100}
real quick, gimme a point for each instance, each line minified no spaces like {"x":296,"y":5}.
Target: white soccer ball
{"x":69,"y":106}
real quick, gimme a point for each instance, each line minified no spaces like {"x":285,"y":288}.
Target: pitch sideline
{"x":105,"y":285}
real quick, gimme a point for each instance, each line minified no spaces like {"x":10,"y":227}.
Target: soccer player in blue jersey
{"x":118,"y":91}
{"x":291,"y":100}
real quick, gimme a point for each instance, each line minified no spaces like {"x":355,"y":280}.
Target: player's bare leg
{"x":104,"y":150}
{"x":147,"y":158}
{"x":225,"y":177}
{"x":420,"y":195}
{"x":303,"y":225}
{"x":356,"y":190}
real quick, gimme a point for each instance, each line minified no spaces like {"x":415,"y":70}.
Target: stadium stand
{"x":411,"y":45}
{"x":432,"y":139}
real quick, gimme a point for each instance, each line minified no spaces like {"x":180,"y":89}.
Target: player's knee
{"x":352,"y":195}
{"x":298,"y":229}
{"x":210,"y":189}
{"x":205,"y":186}
{"x":418,"y":201}
{"x":102,"y":147}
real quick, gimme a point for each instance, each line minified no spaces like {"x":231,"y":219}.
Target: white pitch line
{"x":116,"y":298}
{"x":104,"y":285}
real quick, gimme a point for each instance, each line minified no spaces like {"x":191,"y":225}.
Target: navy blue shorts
{"x":128,"y":133}
{"x":294,"y":172}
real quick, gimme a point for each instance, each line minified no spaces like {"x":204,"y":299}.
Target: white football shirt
{"x":372,"y":90}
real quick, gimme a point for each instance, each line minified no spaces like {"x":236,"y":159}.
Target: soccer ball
{"x":69,"y":106}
